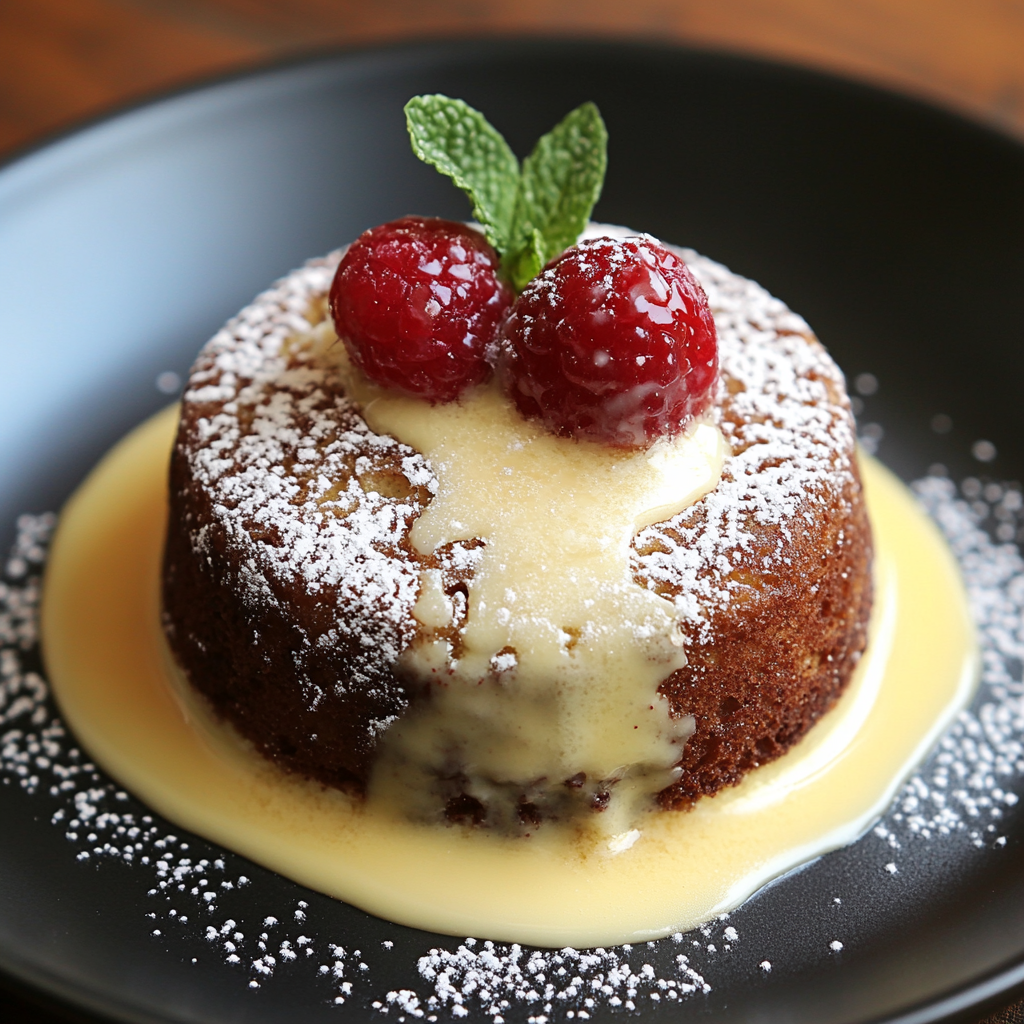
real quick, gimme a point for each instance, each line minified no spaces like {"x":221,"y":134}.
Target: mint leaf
{"x":560,"y":183}
{"x":529,"y":216}
{"x":461,"y":143}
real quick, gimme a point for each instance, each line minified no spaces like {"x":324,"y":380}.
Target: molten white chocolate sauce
{"x":112,"y":674}
{"x":562,"y":652}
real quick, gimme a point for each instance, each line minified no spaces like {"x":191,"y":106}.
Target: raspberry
{"x":418,"y":303}
{"x":612,"y":342}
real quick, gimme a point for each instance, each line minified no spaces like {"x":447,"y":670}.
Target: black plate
{"x":897,"y":230}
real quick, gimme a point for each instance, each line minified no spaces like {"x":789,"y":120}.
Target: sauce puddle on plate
{"x":118,"y":689}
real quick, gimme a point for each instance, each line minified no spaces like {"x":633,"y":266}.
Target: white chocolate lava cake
{"x":291,"y":586}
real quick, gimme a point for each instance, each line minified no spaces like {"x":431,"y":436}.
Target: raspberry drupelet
{"x":417,"y":302}
{"x":613,"y":342}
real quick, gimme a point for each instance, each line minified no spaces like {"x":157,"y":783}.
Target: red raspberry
{"x":417,"y":303}
{"x":613,"y":342}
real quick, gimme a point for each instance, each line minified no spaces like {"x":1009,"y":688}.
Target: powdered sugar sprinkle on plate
{"x":960,"y":795}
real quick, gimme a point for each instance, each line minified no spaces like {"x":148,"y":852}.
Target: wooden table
{"x":61,"y":60}
{"x":64,"y":59}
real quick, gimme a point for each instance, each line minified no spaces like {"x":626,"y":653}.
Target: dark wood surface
{"x":62,"y":60}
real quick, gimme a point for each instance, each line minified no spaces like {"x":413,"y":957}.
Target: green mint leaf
{"x":460,"y":142}
{"x":529,"y":216}
{"x":560,"y":183}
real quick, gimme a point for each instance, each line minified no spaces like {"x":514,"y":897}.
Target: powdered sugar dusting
{"x":568,"y":983}
{"x":294,"y":475}
{"x":965,"y":788}
{"x":785,"y":414}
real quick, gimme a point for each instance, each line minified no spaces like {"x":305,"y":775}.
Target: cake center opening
{"x":551,"y":703}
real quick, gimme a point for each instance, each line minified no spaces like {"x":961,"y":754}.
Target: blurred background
{"x":61,"y":60}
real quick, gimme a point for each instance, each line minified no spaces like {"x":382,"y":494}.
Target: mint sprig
{"x":529,"y":214}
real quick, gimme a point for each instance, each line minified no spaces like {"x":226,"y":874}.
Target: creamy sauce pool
{"x":117,"y":687}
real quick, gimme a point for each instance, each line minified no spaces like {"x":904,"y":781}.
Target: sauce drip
{"x":562,"y":651}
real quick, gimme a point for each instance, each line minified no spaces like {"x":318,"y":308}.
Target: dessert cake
{"x":302,"y":601}
{"x":290,"y":581}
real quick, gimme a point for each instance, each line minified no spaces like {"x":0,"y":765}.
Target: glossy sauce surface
{"x":562,"y":651}
{"x":113,"y":677}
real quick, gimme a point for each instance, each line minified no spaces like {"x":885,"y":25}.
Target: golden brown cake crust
{"x":783,"y":649}
{"x":289,"y":578}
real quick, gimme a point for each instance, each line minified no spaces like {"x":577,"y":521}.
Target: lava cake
{"x":293,"y":589}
